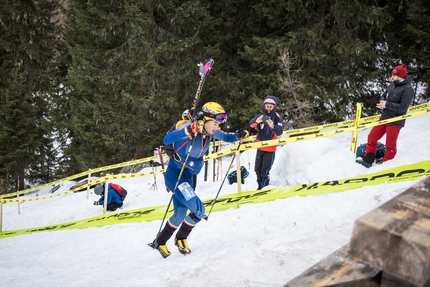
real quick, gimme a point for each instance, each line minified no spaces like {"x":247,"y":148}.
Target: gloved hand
{"x":195,"y":127}
{"x":241,"y":134}
{"x":199,"y":116}
{"x":96,"y":203}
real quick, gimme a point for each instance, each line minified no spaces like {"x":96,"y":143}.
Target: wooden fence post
{"x":88,"y":187}
{"x":19,"y":205}
{"x":106,"y":197}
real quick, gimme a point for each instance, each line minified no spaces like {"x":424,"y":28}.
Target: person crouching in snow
{"x":114,"y":198}
{"x":197,"y":135}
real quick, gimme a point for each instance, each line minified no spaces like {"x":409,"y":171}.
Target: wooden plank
{"x":338,"y":270}
{"x":395,"y":237}
{"x":391,"y":281}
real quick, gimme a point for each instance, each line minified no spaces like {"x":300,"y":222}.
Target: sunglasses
{"x":220,"y":118}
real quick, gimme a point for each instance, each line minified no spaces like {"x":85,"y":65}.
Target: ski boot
{"x":161,"y":248}
{"x":182,"y":245}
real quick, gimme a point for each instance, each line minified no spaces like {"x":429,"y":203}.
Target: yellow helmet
{"x":214,"y":112}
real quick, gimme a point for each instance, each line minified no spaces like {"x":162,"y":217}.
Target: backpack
{"x":232,"y":176}
{"x":169,"y":149}
{"x":380,"y":150}
{"x":122,"y":192}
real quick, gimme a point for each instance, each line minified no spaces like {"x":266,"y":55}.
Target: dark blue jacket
{"x":264,"y":131}
{"x":399,"y":97}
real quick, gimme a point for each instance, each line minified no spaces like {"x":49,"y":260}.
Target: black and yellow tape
{"x":287,"y":137}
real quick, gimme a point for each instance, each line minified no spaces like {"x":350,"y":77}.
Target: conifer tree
{"x":133,"y":71}
{"x":27,"y":53}
{"x":407,"y":41}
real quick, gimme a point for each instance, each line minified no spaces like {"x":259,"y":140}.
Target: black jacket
{"x":399,"y":97}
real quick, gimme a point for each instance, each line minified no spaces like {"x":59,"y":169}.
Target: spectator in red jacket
{"x":269,"y":127}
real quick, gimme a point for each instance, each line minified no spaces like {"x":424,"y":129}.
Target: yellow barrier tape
{"x":349,"y":123}
{"x":84,"y":186}
{"x":346,"y":123}
{"x":372,"y":124}
{"x":82,"y":174}
{"x":228,"y":150}
{"x":394,"y":175}
{"x":282,"y":141}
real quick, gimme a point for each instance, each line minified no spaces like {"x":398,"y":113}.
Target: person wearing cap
{"x":394,"y":102}
{"x":114,"y":198}
{"x":190,"y":140}
{"x":269,"y":127}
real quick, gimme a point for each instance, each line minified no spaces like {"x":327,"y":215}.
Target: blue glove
{"x":96,"y":203}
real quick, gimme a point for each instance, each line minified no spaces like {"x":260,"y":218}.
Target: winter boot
{"x":259,"y":185}
{"x":367,"y":159}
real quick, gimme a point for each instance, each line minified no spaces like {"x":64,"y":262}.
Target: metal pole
{"x":238,"y":172}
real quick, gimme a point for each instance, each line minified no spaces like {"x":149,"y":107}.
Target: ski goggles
{"x":221,"y":118}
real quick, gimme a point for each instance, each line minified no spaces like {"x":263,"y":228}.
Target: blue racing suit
{"x":184,"y":197}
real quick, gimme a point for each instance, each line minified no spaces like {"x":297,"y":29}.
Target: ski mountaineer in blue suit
{"x":197,"y":135}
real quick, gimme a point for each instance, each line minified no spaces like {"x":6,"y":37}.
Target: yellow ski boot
{"x":182,"y":246}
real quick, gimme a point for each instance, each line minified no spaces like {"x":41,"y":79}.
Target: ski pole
{"x":177,"y":183}
{"x":206,"y":217}
{"x":155,"y":177}
{"x":203,"y":72}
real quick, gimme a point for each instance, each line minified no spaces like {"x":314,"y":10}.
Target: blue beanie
{"x":269,"y":99}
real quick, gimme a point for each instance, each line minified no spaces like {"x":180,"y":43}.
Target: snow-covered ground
{"x":265,"y":244}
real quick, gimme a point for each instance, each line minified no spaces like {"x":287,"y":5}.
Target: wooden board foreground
{"x":395,"y":237}
{"x":338,"y":270}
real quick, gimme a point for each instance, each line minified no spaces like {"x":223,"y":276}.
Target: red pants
{"x":391,"y":134}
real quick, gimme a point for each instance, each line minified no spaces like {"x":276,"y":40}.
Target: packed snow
{"x":264,"y":244}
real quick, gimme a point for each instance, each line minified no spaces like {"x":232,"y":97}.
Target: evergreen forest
{"x":86,"y":83}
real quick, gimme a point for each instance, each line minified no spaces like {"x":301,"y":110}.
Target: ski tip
{"x":151,"y":245}
{"x":207,"y":67}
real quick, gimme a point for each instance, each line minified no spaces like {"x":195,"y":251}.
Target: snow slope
{"x":264,"y":244}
